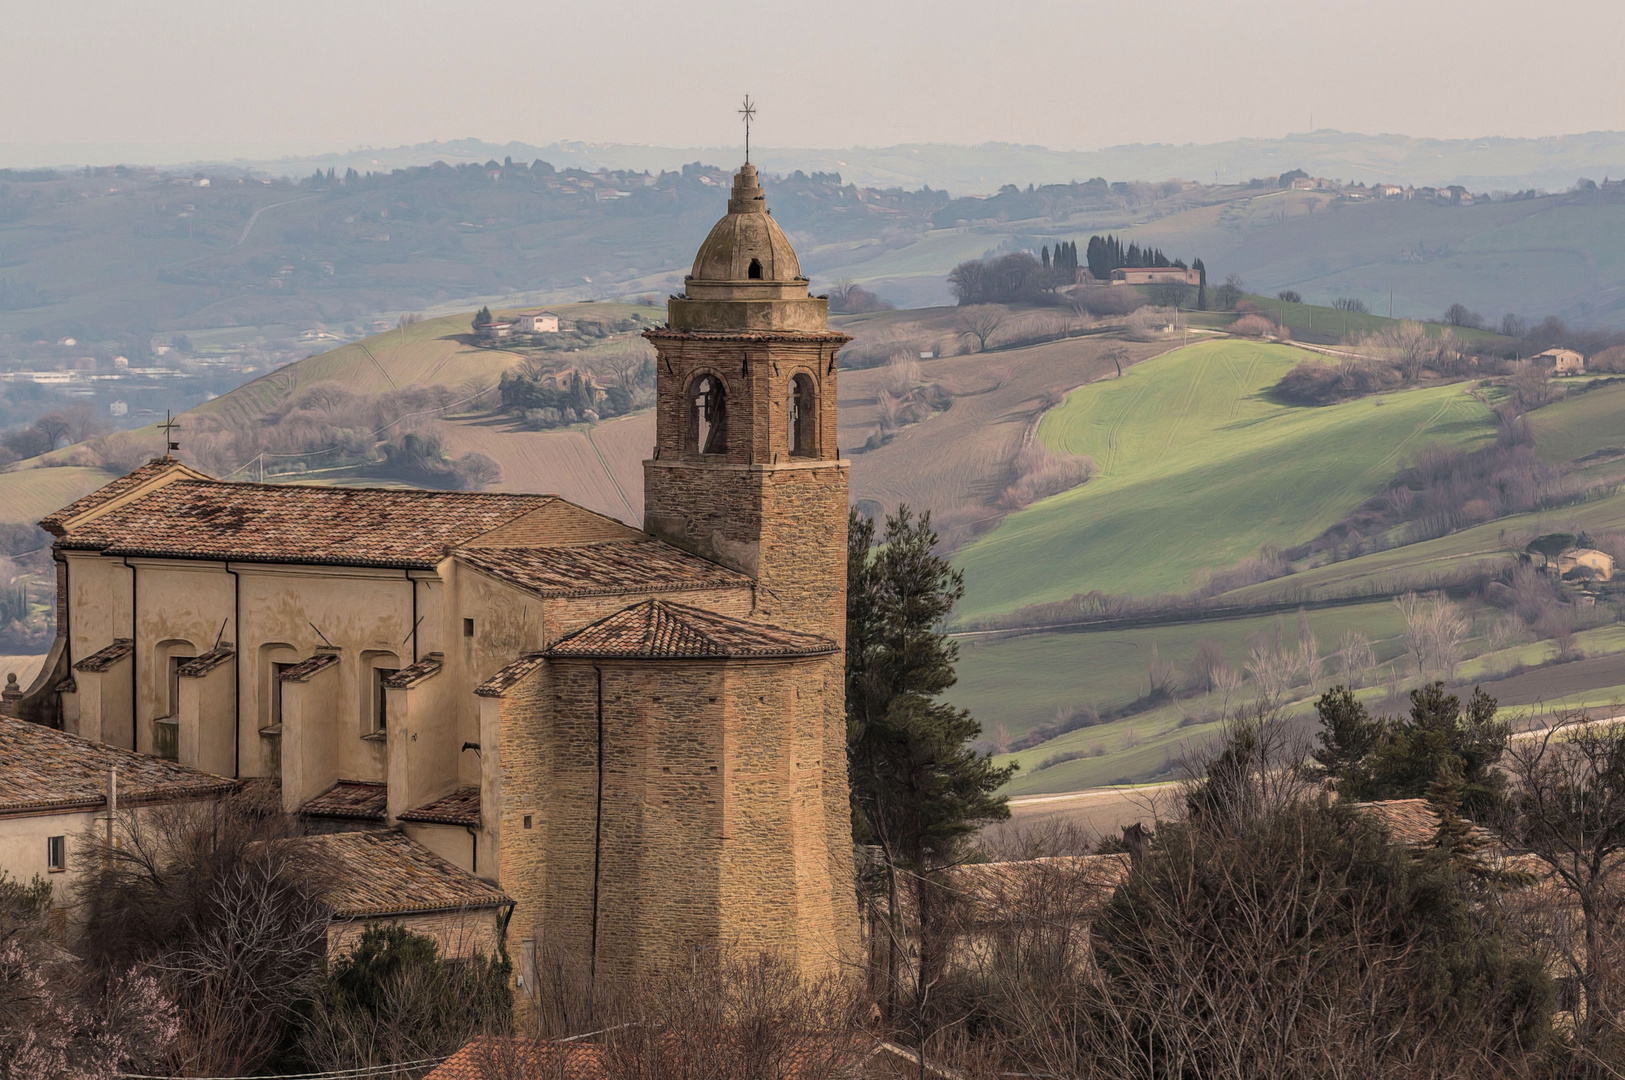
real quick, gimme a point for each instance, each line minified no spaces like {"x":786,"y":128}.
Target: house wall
{"x":22,"y":848}
{"x":451,"y":842}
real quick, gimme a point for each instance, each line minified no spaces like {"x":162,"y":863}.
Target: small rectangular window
{"x":56,"y":854}
{"x":527,"y":821}
{"x":527,"y":966}
{"x":468,"y":627}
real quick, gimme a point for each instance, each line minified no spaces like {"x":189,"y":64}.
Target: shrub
{"x":1291,"y":296}
{"x":1258,"y":326}
{"x":1038,"y":473}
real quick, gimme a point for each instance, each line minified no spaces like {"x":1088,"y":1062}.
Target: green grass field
{"x":1581,"y":423}
{"x":1197,"y":468}
{"x":1021,"y":682}
{"x":30,"y":494}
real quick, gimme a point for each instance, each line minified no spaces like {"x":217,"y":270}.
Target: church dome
{"x":747,"y":244}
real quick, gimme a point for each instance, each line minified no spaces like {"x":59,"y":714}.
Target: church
{"x":638,"y":736}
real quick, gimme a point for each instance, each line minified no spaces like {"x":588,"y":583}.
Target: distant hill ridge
{"x":1490,"y":163}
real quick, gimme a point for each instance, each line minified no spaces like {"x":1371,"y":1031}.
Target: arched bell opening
{"x":802,"y":435}
{"x":755,"y":270}
{"x":708,"y":411}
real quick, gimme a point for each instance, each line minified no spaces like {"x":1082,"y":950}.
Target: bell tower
{"x":745,"y":468}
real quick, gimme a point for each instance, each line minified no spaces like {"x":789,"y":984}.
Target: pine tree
{"x":919,"y":790}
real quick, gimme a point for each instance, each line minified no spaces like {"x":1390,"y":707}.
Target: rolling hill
{"x":1197,"y":468}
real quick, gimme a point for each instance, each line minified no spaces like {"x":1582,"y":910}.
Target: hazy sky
{"x":302,"y":75}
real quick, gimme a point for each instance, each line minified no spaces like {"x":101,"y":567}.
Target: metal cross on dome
{"x":749,"y":113}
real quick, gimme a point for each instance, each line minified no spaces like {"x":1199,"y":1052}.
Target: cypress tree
{"x":1044,"y":254}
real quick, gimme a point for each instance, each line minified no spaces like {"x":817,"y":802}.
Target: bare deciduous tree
{"x":982,"y":321}
{"x":205,"y":896}
{"x":1568,"y":810}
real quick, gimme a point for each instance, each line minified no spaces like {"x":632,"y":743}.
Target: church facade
{"x":637,"y":735}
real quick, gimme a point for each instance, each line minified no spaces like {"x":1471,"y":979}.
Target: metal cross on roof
{"x":749,"y":113}
{"x":168,"y":426}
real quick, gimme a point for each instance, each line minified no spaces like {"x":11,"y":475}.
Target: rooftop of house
{"x":505,"y":679}
{"x":350,"y":800}
{"x":660,"y":630}
{"x":209,"y":519}
{"x":382,"y":872}
{"x":640,"y":565}
{"x":43,"y":770}
{"x":461,"y":807}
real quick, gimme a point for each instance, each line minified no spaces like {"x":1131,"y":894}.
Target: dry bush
{"x":203,"y":896}
{"x":1153,"y":323}
{"x":1106,"y":302}
{"x":1318,"y":382}
{"x":1038,"y":472}
{"x":1608,"y":361}
{"x":1259,"y":326}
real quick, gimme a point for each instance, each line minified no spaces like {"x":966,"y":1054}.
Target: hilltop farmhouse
{"x":632,"y":738}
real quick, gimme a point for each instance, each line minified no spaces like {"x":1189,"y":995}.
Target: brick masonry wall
{"x":711,"y":825}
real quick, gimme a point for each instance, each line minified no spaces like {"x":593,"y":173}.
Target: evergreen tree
{"x":1201,"y":284}
{"x":1347,"y":737}
{"x":1044,"y":254}
{"x":1095,"y":252}
{"x":918,"y":788}
{"x":482,"y":317}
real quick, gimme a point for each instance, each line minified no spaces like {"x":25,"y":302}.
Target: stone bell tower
{"x":745,"y":469}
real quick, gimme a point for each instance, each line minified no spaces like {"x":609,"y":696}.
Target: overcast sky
{"x":304,"y":75}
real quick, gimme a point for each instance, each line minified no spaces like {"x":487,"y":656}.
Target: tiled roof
{"x":44,"y":769}
{"x":1412,"y":822}
{"x":103,"y":659}
{"x":657,"y":629}
{"x":503,"y":680}
{"x":414,"y":673}
{"x":461,"y":807}
{"x":644,"y":565}
{"x":382,"y":872}
{"x":208,"y":519}
{"x":305,"y":669}
{"x":199,"y":666}
{"x":56,"y":522}
{"x":350,"y":800}
{"x":488,"y":1055}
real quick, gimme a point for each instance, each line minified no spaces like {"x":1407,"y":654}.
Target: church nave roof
{"x":659,"y":630}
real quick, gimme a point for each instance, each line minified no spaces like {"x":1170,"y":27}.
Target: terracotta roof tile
{"x":461,"y":807}
{"x":350,"y":800}
{"x":45,"y":769}
{"x":305,"y":669}
{"x":199,"y":666}
{"x":644,"y":565}
{"x":504,"y":680}
{"x":208,"y":519}
{"x":657,"y":629}
{"x":382,"y":872}
{"x":1412,"y":822}
{"x":103,"y":659}
{"x":55,"y":523}
{"x":488,"y":1055}
{"x":414,"y":673}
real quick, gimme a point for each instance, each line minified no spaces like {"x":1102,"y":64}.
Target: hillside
{"x":1198,"y":469}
